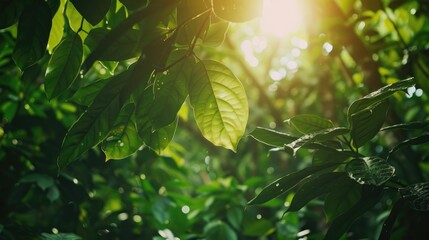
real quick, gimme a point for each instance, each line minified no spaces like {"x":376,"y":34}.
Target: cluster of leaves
{"x":335,"y":147}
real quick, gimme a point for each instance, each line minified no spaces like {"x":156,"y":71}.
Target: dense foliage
{"x":225,"y":132}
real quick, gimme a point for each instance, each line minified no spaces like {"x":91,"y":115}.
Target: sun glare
{"x":281,"y":17}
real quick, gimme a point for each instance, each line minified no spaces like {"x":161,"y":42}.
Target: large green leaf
{"x":64,"y":65}
{"x":316,"y":186}
{"x":85,"y":95}
{"x":33,"y":34}
{"x":367,"y":123}
{"x":220,"y":104}
{"x":123,"y":140}
{"x":287,"y":182}
{"x":320,"y":136}
{"x":370,"y":170}
{"x":170,"y":89}
{"x":379,"y":95}
{"x":410,"y":142}
{"x":95,"y":123}
{"x":417,"y":196}
{"x":307,"y":123}
{"x":271,"y":137}
{"x":339,"y":226}
{"x":237,"y":10}
{"x":93,"y":11}
{"x":216,"y":230}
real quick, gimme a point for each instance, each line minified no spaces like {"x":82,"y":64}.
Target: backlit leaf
{"x":307,"y":123}
{"x":123,"y":140}
{"x":64,"y":65}
{"x":187,"y":10}
{"x":33,"y":34}
{"x":417,"y":196}
{"x":57,"y":29}
{"x":237,"y":10}
{"x":370,"y":170}
{"x":159,"y":139}
{"x":220,"y":104}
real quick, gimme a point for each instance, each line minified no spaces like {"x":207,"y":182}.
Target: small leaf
{"x":367,"y":123}
{"x":159,"y":139}
{"x":410,"y":142}
{"x":216,"y":34}
{"x":43,"y":181}
{"x":320,"y":136}
{"x":235,"y":216}
{"x":123,"y":140}
{"x":370,"y":170}
{"x":33,"y":34}
{"x":220,"y":103}
{"x":307,"y":123}
{"x":271,"y":137}
{"x":316,"y":186}
{"x":64,"y":65}
{"x":237,"y":10}
{"x":379,"y":95}
{"x":417,"y":196}
{"x":170,"y":89}
{"x":340,"y":225}
{"x":93,"y":11}
{"x":287,"y":182}
{"x":217,"y":230}
{"x":418,"y":125}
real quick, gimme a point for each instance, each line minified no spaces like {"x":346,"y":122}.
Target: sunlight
{"x":281,"y":17}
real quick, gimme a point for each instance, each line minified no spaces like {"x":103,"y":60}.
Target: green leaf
{"x":124,"y":47}
{"x":9,"y":12}
{"x":237,"y":10}
{"x":43,"y":181}
{"x":379,"y":95}
{"x":123,"y":140}
{"x":187,"y":10}
{"x":258,"y":228}
{"x":324,"y":155}
{"x":216,"y":230}
{"x":271,"y":137}
{"x":134,"y":4}
{"x":320,"y":136}
{"x":367,"y":123}
{"x":307,"y":123}
{"x":235,"y":216}
{"x":418,"y":125}
{"x":170,"y":89}
{"x":85,"y":95}
{"x":59,"y":236}
{"x":339,"y":226}
{"x":64,"y":65}
{"x":316,"y":186}
{"x":159,"y":139}
{"x":342,"y":199}
{"x":287,"y":182}
{"x":417,"y":196}
{"x":409,"y":142}
{"x":370,"y":170}
{"x":33,"y":34}
{"x":95,"y":123}
{"x":220,"y":104}
{"x":57,"y":28}
{"x":93,"y":11}
{"x":216,"y":34}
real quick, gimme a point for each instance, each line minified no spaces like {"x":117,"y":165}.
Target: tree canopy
{"x":232,"y":119}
